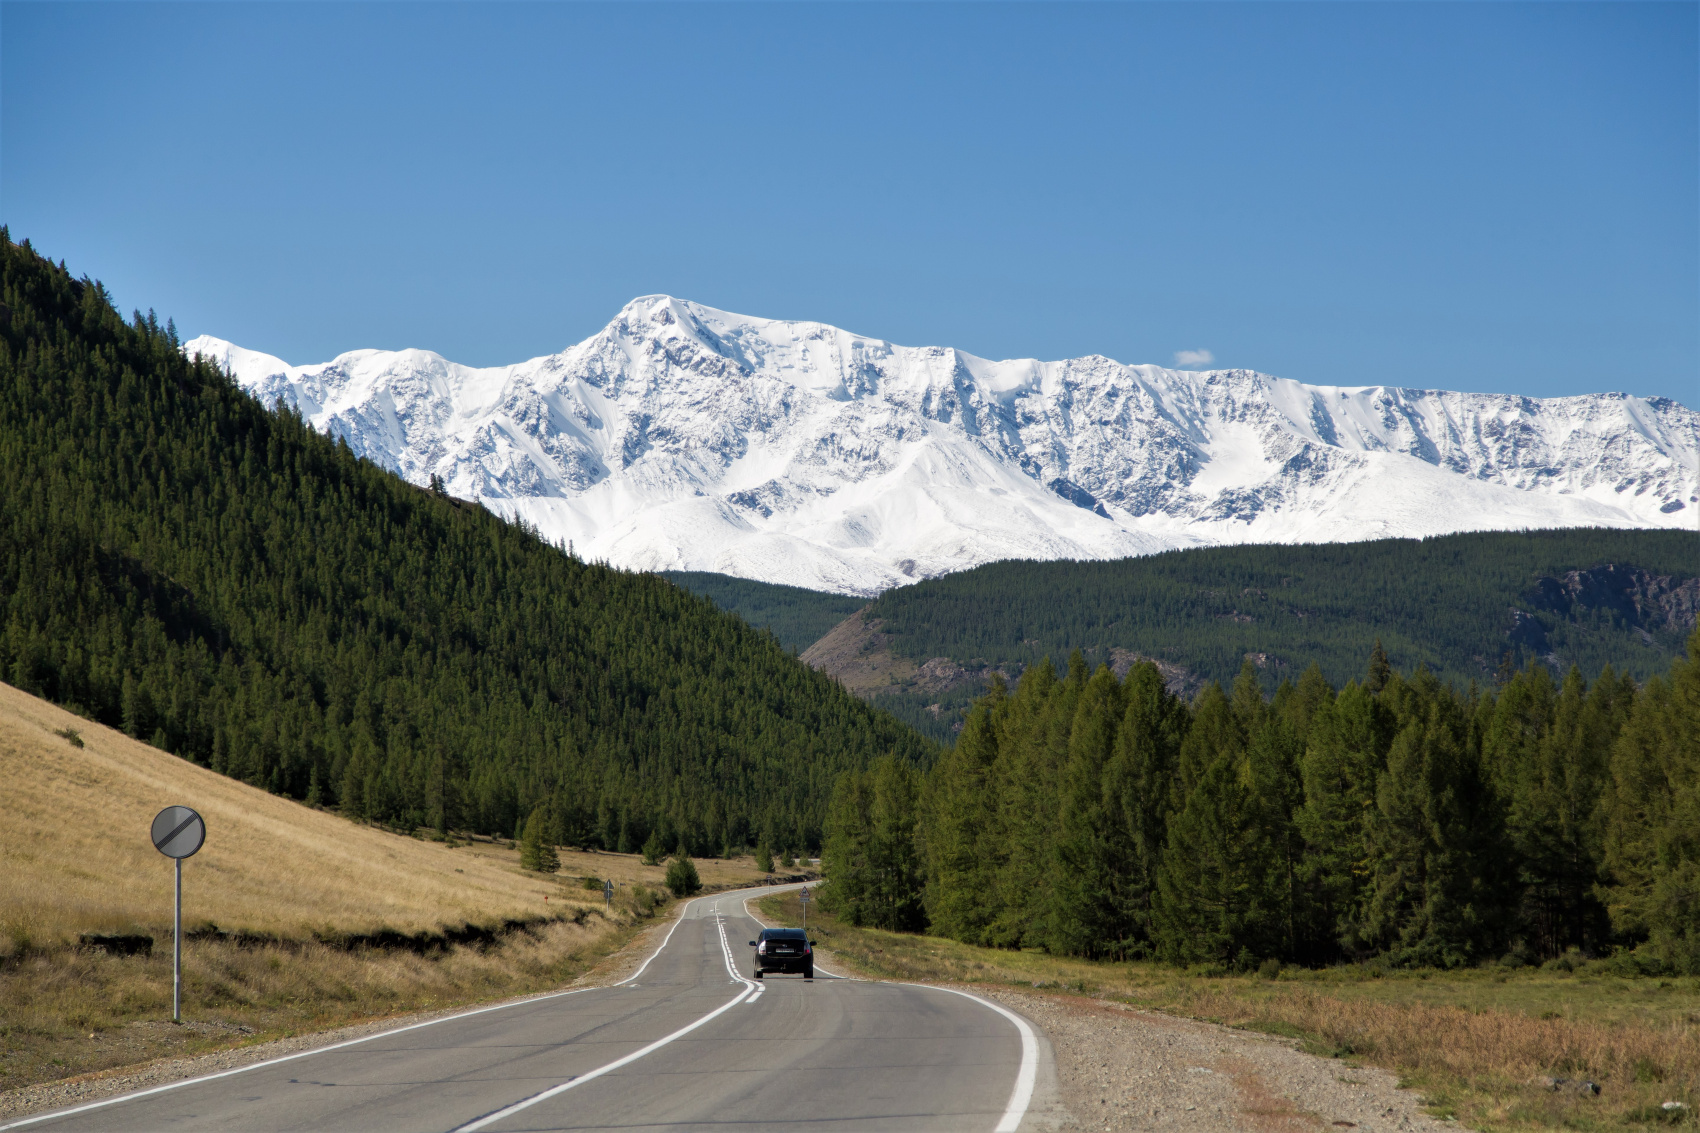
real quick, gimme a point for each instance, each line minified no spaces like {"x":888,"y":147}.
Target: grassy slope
{"x":797,"y":617}
{"x":1474,"y":1041}
{"x":75,"y":858}
{"x":74,"y":846}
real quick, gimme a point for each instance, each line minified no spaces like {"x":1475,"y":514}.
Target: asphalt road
{"x":689,"y":1042}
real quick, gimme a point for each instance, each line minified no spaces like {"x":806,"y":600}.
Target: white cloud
{"x":1194,"y":358}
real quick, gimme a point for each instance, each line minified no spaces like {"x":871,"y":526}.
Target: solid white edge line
{"x":19,"y":1124}
{"x":677,"y":921}
{"x":54,"y":1115}
{"x":1026,"y":1077}
{"x":575,"y":1082}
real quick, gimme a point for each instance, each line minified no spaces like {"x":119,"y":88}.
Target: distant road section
{"x":688,"y":1042}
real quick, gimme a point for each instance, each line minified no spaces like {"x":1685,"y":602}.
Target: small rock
{"x":1672,"y":1107}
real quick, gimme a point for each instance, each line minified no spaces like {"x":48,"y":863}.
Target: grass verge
{"x":70,"y":1011}
{"x":1476,"y":1043}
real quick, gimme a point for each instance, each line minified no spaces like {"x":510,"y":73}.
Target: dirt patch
{"x":858,"y":653}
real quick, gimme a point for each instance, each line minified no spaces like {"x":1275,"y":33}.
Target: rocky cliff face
{"x":1629,"y":595}
{"x":682,"y":437}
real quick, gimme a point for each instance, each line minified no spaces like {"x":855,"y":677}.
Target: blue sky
{"x":1467,"y":196}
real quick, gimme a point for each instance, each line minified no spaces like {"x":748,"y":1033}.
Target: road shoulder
{"x":1123,"y":1068}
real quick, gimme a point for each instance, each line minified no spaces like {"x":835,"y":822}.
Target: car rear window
{"x":782,"y":934}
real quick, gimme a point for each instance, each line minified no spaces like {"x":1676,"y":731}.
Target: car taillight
{"x":807,"y":950}
{"x":761,"y":949}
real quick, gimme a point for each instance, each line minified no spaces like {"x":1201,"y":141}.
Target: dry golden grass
{"x":75,"y":857}
{"x":1476,"y":1042}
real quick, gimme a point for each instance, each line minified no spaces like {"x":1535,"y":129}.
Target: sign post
{"x":803,"y":900}
{"x":608,"y":892}
{"x":177,"y":833}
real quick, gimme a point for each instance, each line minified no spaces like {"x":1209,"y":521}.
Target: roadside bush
{"x":682,"y":877}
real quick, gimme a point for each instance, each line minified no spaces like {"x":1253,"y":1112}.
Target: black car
{"x":784,"y":950}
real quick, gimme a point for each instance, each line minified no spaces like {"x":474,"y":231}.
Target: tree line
{"x":1396,"y":817}
{"x":217,"y":579}
{"x":1454,"y":603}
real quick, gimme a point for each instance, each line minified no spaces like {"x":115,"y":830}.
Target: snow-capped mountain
{"x":682,"y":437}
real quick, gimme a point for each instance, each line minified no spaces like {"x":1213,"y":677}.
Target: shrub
{"x":682,"y":877}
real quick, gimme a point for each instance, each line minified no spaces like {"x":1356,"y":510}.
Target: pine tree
{"x":535,"y":852}
{"x":1214,"y":887}
{"x":1136,"y":788}
{"x":1440,"y":883}
{"x":764,"y":858}
{"x":963,"y":842}
{"x":1025,"y":788}
{"x":894,"y":850}
{"x":1380,"y":670}
{"x":1652,"y":826}
{"x":1093,"y":847}
{"x":1346,"y":748}
{"x":682,"y":877}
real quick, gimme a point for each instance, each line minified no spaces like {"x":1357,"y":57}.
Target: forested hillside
{"x":1465,"y":606}
{"x":222,"y":581}
{"x":797,"y":617}
{"x":1397,"y":818}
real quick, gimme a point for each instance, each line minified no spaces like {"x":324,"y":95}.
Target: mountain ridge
{"x":681,"y":437}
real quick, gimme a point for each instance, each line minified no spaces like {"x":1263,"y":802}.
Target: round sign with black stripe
{"x":178,"y":832}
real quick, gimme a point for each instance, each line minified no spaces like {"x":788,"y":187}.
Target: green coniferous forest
{"x":796,"y":616}
{"x":222,"y":581}
{"x":1456,"y":603}
{"x":1397,"y":818}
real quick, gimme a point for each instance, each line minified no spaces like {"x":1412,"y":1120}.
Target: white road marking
{"x":334,"y":1046}
{"x":663,"y":946}
{"x":572,"y":1083}
{"x":285,"y":1058}
{"x":1020,"y":1098}
{"x":1025,"y":1078}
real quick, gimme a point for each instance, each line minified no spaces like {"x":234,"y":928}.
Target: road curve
{"x":688,"y":1042}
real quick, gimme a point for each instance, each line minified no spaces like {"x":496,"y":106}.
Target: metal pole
{"x":177,"y":950}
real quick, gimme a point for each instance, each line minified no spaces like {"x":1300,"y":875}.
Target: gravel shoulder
{"x":1122,"y":1068}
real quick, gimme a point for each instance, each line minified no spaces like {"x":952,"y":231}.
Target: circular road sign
{"x":178,"y":832}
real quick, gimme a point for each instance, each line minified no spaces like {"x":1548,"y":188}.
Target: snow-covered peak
{"x":682,"y":436}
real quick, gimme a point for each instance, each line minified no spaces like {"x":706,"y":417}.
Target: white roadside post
{"x":803,"y":900}
{"x":177,"y":833}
